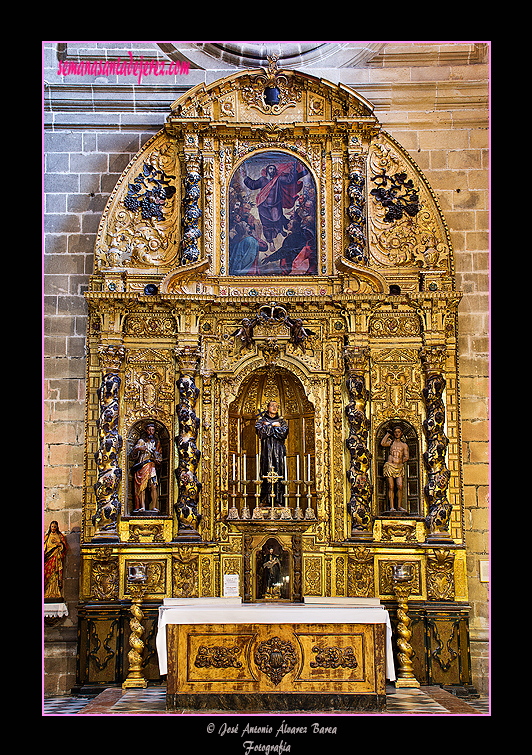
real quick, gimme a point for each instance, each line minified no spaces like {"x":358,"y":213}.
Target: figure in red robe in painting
{"x":278,"y":188}
{"x":306,"y":261}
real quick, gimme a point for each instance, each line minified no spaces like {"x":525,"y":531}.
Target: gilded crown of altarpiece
{"x":273,"y":260}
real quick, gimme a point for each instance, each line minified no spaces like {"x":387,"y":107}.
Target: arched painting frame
{"x":272,"y":218}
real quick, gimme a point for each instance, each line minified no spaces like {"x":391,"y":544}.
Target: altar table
{"x":221,"y":653}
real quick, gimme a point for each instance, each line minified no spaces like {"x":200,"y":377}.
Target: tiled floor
{"x":424,"y":701}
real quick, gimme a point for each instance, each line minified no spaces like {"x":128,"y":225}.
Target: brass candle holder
{"x":233,"y":511}
{"x":257,"y":511}
{"x":137,"y":586}
{"x":402,"y":577}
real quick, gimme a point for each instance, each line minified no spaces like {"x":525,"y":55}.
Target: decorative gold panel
{"x":293,"y":658}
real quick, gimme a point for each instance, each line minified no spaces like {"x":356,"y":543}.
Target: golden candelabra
{"x":238,"y":490}
{"x":402,"y":586}
{"x":135,"y":678}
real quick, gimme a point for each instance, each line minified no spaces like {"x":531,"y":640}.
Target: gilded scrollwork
{"x":440,"y":575}
{"x":313,"y":575}
{"x":360,"y":573}
{"x":139,"y":233}
{"x":218,"y":656}
{"x":272,"y":91}
{"x":185,"y":573}
{"x":404,"y":220}
{"x":150,"y":325}
{"x":154,"y":531}
{"x":395,"y":381}
{"x":104,"y":576}
{"x":148,"y":389}
{"x":406,"y":532}
{"x":333,"y":657}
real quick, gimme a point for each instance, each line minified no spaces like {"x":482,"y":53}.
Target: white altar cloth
{"x":233,"y":611}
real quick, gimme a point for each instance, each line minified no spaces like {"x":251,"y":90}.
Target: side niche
{"x":411,"y":499}
{"x":154,"y":498}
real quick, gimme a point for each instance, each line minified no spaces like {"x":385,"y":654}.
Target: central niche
{"x":272,"y":217}
{"x":262,"y":386}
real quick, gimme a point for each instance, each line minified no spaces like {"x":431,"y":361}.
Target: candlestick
{"x":285,"y":512}
{"x":298,"y":512}
{"x":257,"y":511}
{"x":309,"y":511}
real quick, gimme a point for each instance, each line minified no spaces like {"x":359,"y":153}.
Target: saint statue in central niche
{"x":272,"y":217}
{"x":272,"y":430}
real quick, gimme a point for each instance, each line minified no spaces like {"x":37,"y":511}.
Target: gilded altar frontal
{"x":273,"y":403}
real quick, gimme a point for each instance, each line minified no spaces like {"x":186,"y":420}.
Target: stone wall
{"x":433,"y":99}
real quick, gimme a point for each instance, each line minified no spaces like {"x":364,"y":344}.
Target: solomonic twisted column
{"x":188,"y":454}
{"x":106,"y":488}
{"x":356,"y":250}
{"x":439,"y":513}
{"x":359,"y":506}
{"x":191,"y":212}
{"x":135,"y":678}
{"x":402,"y":587}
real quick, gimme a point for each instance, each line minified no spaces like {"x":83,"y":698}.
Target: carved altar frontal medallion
{"x":275,"y":658}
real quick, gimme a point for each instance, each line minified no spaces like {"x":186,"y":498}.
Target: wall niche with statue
{"x":398,"y":470}
{"x":148,"y":479}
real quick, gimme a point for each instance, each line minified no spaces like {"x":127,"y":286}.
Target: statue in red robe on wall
{"x":147,"y":457}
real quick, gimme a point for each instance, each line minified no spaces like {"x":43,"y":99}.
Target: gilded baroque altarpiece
{"x":272,"y":243}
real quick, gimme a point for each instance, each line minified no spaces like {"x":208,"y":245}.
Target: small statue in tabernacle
{"x":55,"y":547}
{"x":271,"y":576}
{"x":272,"y":430}
{"x":146,"y":456}
{"x":394,"y":468}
